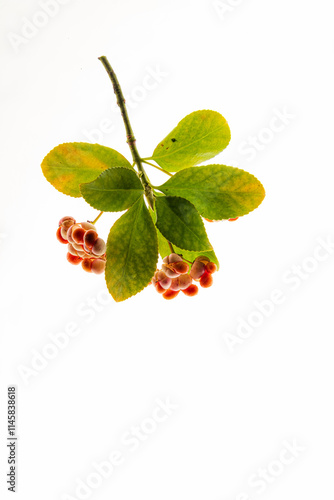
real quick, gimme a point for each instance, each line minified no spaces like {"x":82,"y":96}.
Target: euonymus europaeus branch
{"x":170,"y":223}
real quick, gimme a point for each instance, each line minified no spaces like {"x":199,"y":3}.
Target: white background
{"x":240,"y":393}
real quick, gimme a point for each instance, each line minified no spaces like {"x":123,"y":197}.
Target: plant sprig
{"x":171,"y":218}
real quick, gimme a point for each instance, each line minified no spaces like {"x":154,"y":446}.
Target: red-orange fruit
{"x":59,"y":236}
{"x":211,"y":267}
{"x":206,"y":280}
{"x":235,"y":218}
{"x":90,"y":237}
{"x":99,"y":247}
{"x":159,"y":288}
{"x":78,"y":234}
{"x":73,"y":259}
{"x":98,"y":266}
{"x":87,"y":265}
{"x":191,"y":291}
{"x":170,"y":294}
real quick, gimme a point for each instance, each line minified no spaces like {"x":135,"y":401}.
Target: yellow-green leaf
{"x":180,"y":223}
{"x":197,"y":138}
{"x":132,"y":252}
{"x":114,"y":190}
{"x":217,"y":191}
{"x":71,"y":164}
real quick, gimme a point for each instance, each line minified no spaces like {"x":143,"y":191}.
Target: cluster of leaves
{"x":109,"y":183}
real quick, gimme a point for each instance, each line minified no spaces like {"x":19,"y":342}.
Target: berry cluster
{"x":84,"y":244}
{"x":176,"y":275}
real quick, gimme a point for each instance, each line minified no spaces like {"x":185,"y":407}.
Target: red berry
{"x":206,"y":280}
{"x":170,"y":294}
{"x":73,"y":259}
{"x":191,"y":291}
{"x":159,"y":288}
{"x":90,"y":237}
{"x":87,"y":265}
{"x":211,"y":267}
{"x":78,"y":234}
{"x":98,"y":266}
{"x":59,"y":236}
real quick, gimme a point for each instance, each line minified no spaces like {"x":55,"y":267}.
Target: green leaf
{"x":197,"y":138}
{"x":71,"y":164}
{"x":179,"y":222}
{"x":217,"y":191}
{"x":165,"y":250}
{"x":114,"y":190}
{"x":132,"y":252}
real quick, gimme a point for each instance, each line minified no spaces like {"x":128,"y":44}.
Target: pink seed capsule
{"x":87,"y":225}
{"x":203,"y":258}
{"x":98,"y":266}
{"x":71,"y":249}
{"x":69,"y":233}
{"x":77,"y":247}
{"x":63,"y":232}
{"x":90,"y":237}
{"x":66,"y":221}
{"x":185,"y":281}
{"x":163,"y":280}
{"x":180,"y":267}
{"x":78,"y":234}
{"x":99,"y":247}
{"x":175,"y":285}
{"x":174,"y":257}
{"x":171,"y":274}
{"x":197,"y":269}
